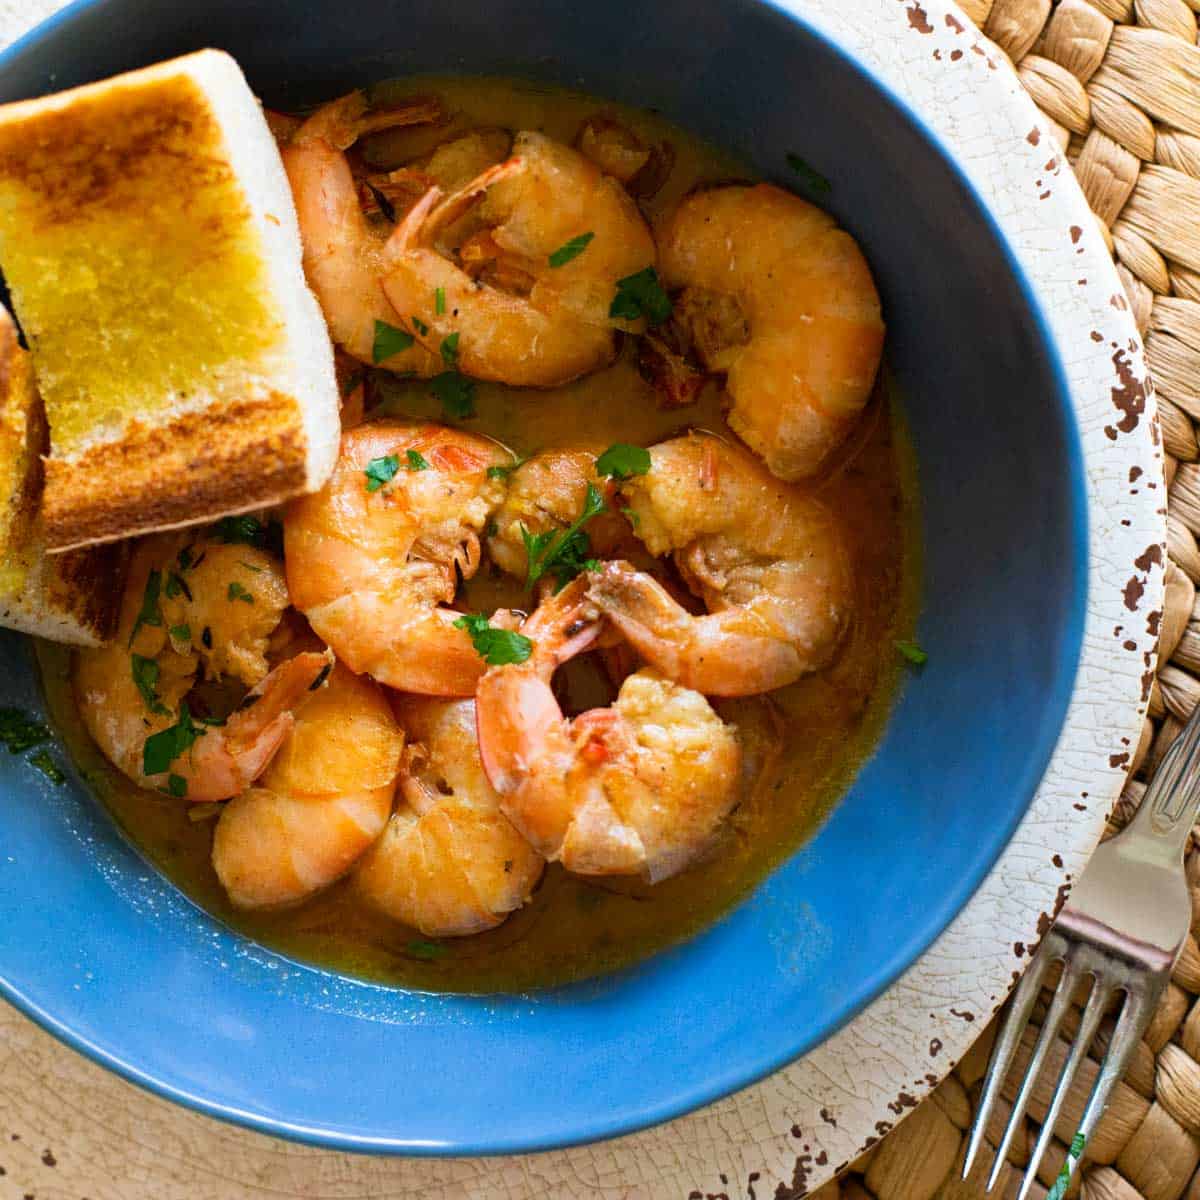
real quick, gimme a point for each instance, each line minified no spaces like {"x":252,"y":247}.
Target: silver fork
{"x":1125,"y":924}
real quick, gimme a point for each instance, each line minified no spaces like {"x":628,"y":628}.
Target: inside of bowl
{"x":100,"y":948}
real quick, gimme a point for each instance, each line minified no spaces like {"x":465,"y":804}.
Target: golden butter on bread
{"x":72,"y":597}
{"x":149,"y":240}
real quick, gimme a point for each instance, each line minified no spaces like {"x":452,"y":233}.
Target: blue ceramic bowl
{"x":102,"y":951}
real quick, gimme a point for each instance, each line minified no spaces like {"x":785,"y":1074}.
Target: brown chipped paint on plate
{"x":66,"y":1124}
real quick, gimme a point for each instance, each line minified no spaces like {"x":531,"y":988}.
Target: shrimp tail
{"x":225,"y":762}
{"x":715,"y":654}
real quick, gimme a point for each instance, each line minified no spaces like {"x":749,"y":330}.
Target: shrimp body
{"x":121,"y":716}
{"x":323,"y":800}
{"x":524,"y":322}
{"x":768,"y":560}
{"x":449,"y":862}
{"x":548,"y":492}
{"x":373,"y":570}
{"x":640,"y":788}
{"x":343,"y":251}
{"x":782,"y":301}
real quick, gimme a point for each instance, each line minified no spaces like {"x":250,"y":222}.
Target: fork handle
{"x":1172,"y":801}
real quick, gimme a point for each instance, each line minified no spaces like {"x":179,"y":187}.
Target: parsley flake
{"x":419,"y":326}
{"x":250,"y":531}
{"x":623,"y":461}
{"x":48,"y":767}
{"x":161,"y":749}
{"x":176,"y":586}
{"x":151,"y":610}
{"x":389,"y":341}
{"x":912,"y":652}
{"x":380,"y":471}
{"x":564,"y":553}
{"x":180,"y":633}
{"x":809,"y":176}
{"x":176,"y":786}
{"x":439,"y":300}
{"x":145,"y":678}
{"x":497,"y":647}
{"x":237,"y":592}
{"x":503,"y":472}
{"x":416,"y":461}
{"x":641,"y":295}
{"x":449,"y":349}
{"x":456,"y":393}
{"x":19,"y":731}
{"x":569,"y":250}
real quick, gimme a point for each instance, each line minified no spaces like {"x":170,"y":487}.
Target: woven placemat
{"x":1119,"y":81}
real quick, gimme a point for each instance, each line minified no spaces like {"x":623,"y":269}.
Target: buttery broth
{"x":802,"y":745}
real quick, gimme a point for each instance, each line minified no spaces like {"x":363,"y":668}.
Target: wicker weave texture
{"x":1119,"y":81}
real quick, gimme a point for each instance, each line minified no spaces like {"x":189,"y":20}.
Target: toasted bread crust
{"x":199,"y":467}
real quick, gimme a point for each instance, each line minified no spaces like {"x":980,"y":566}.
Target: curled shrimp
{"x":174,"y":619}
{"x":640,"y":788}
{"x":521,"y":318}
{"x":343,"y":251}
{"x":781,"y":301}
{"x":768,"y":560}
{"x":548,"y":492}
{"x":322,"y":802}
{"x":449,"y":862}
{"x":373,"y":564}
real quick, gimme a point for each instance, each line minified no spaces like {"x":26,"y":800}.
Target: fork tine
{"x":1093,"y":1011}
{"x":1071,"y":976}
{"x":1006,"y":1046}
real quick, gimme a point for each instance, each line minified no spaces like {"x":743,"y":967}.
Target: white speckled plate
{"x":799,"y":1126}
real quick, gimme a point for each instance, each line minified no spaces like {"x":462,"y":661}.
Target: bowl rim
{"x":845,"y":27}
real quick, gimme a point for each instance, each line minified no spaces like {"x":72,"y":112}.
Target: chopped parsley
{"x":187,"y":561}
{"x":389,"y":341}
{"x":416,"y":461}
{"x":566,"y":552}
{"x":439,"y":301}
{"x":569,"y":250}
{"x":163,"y":748}
{"x":180,"y":633}
{"x":631,"y":516}
{"x":176,"y":786}
{"x":380,"y":471}
{"x":449,"y":349}
{"x":641,"y":295}
{"x":912,"y":652}
{"x":237,"y":592}
{"x":503,"y":472}
{"x":456,"y":394}
{"x":176,"y":586}
{"x":623,"y":461}
{"x":145,"y":677}
{"x":497,"y":647}
{"x":151,"y":610}
{"x":19,"y":731}
{"x":419,"y":326}
{"x":426,"y":950}
{"x":250,"y":531}
{"x":48,"y":767}
{"x":809,"y":176}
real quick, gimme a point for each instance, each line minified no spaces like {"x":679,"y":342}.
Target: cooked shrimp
{"x":372,"y":570}
{"x":343,"y":251}
{"x":449,"y":863}
{"x":136,"y":687}
{"x":768,"y":560}
{"x":781,"y":301}
{"x":638,"y":788}
{"x":548,"y":491}
{"x":321,"y":803}
{"x":525,"y":322}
